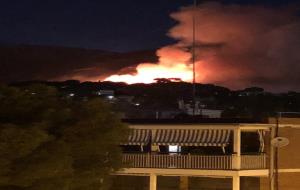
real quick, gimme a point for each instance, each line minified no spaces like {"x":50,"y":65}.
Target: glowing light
{"x":110,"y":97}
{"x":174,"y":148}
{"x":146,"y":73}
{"x":174,"y":62}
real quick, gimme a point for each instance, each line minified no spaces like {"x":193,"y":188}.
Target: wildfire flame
{"x":174,"y":62}
{"x":147,"y":73}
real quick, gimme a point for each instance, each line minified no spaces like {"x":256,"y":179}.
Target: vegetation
{"x":49,"y":141}
{"x":251,"y":102}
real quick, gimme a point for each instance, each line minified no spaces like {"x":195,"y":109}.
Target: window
{"x":174,"y":148}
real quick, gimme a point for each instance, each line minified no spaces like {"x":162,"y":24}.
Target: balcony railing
{"x":253,"y":161}
{"x":213,"y":162}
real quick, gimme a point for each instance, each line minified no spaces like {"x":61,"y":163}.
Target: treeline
{"x":164,"y":94}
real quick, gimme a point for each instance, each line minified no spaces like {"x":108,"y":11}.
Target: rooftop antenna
{"x":194,"y":57}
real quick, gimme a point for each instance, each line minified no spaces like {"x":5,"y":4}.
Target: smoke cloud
{"x":236,"y":46}
{"x":240,"y":46}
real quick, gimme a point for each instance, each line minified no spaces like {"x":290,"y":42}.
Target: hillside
{"x":23,"y":62}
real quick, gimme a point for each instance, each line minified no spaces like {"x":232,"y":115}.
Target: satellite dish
{"x":280,"y":142}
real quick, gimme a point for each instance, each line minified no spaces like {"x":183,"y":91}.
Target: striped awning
{"x":191,"y":137}
{"x":138,"y":137}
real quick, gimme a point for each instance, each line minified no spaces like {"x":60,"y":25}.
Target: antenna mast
{"x":194,"y":58}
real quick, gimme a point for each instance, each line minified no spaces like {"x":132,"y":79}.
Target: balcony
{"x":249,"y":162}
{"x":205,"y":162}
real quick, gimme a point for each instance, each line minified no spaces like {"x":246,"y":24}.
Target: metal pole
{"x":194,"y":58}
{"x":272,"y":155}
{"x":274,"y":183}
{"x":276,"y":154}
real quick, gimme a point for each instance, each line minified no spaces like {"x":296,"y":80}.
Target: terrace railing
{"x":253,"y":161}
{"x":213,"y":162}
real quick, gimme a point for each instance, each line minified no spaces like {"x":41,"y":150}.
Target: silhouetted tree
{"x":49,"y":142}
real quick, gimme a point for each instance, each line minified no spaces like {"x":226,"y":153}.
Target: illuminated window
{"x":174,"y":148}
{"x":110,"y":97}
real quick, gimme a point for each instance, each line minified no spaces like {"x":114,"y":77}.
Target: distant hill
{"x":29,"y":62}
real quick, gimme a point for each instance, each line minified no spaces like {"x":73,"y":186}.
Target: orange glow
{"x":146,"y":73}
{"x":173,"y":63}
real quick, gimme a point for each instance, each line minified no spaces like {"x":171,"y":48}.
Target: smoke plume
{"x":236,"y":46}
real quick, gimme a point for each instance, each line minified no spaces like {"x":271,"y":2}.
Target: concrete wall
{"x":287,"y":181}
{"x":288,"y":158}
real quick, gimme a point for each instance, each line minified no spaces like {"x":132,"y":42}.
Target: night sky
{"x":239,"y":43}
{"x":119,"y":25}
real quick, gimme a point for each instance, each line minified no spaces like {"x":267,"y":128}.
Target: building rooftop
{"x":194,"y":120}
